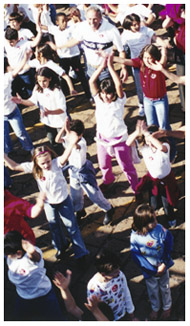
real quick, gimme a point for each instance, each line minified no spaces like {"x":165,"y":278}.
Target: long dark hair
{"x":47,"y":52}
{"x":50,"y":74}
{"x":153,"y":51}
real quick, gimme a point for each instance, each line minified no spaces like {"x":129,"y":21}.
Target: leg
{"x":16,"y":122}
{"x":123,"y":156}
{"x":104,"y":161}
{"x":68,"y":217}
{"x":7,"y":139}
{"x":77,"y":67}
{"x":150,"y":112}
{"x":180,"y":71}
{"x":162,"y":113}
{"x":76,"y":193}
{"x":96,"y":196}
{"x":136,"y":75}
{"x":55,"y":227}
{"x":165,"y":291}
{"x":152,"y":285}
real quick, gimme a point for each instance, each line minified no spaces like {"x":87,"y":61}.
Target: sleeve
{"x":117,"y":39}
{"x":58,"y":70}
{"x":34,"y":97}
{"x":136,"y":62}
{"x":168,"y":247}
{"x":92,"y":289}
{"x":60,"y":101}
{"x":150,"y":32}
{"x":128,"y":299}
{"x":78,"y":32}
{"x":27,"y":166}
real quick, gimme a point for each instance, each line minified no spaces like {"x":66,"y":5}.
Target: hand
{"x":138,"y":127}
{"x":28,"y":247}
{"x":144,"y":128}
{"x":161,"y":269}
{"x":93,"y":302}
{"x":16,"y":99}
{"x":123,"y":74}
{"x":102,"y":53}
{"x":45,"y":112}
{"x":159,"y":134}
{"x":61,"y":281}
{"x":73,"y":92}
{"x":157,"y":66}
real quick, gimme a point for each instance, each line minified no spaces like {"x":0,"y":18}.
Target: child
{"x":100,"y":310}
{"x":111,"y":132}
{"x":69,"y":57}
{"x":151,"y":246}
{"x":15,"y":50}
{"x":36,"y":300}
{"x":82,"y":175}
{"x":160,"y":180}
{"x":46,"y":57}
{"x":153,"y":84}
{"x":58,"y":205}
{"x":16,"y":209}
{"x":135,"y":37}
{"x":15,"y":21}
{"x":111,"y":285}
{"x":51,"y":101}
{"x":12,"y":115}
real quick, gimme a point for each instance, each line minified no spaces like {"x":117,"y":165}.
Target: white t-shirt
{"x":158,"y":162}
{"x":124,"y":10}
{"x":9,"y":106}
{"x":109,"y":117}
{"x":137,"y":40}
{"x":35,"y":63}
{"x":28,"y":276}
{"x":15,"y":54}
{"x":52,"y":100}
{"x":53,"y":182}
{"x":25,"y":34}
{"x":77,"y":157}
{"x":106,"y":35}
{"x":115,"y":293}
{"x":62,"y":37}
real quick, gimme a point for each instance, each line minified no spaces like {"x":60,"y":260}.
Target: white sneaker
{"x":141,"y":110}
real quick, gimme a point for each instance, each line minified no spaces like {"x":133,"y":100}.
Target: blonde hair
{"x":41,"y":151}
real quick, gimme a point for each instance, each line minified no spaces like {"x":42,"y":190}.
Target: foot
{"x":108,"y":216}
{"x":165,"y":315}
{"x":153,"y":315}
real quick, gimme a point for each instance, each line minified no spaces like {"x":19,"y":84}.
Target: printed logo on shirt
{"x":151,"y":158}
{"x":150,"y":244}
{"x":153,"y":76}
{"x":22,"y":271}
{"x":115,"y":288}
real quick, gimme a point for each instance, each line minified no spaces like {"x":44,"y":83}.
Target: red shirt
{"x":153,"y":82}
{"x":15,"y":209}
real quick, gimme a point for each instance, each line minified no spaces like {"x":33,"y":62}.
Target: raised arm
{"x":70,"y":84}
{"x":131,"y":138}
{"x":31,"y":251}
{"x":12,"y":165}
{"x":115,"y":77}
{"x":22,"y":64}
{"x":58,"y":138}
{"x":154,"y":141}
{"x":93,"y":79}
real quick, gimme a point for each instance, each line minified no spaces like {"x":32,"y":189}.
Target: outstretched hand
{"x":16,"y":99}
{"x":61,"y":281}
{"x":93,"y":302}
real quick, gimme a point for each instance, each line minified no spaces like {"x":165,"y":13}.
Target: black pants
{"x":161,"y":199}
{"x":75,"y":63}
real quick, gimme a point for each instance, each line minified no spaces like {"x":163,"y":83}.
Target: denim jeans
{"x":155,"y":202}
{"x":64,"y":212}
{"x":44,"y":308}
{"x":24,"y":84}
{"x":136,"y":75}
{"x":16,"y":122}
{"x":104,"y":74}
{"x":157,"y":113}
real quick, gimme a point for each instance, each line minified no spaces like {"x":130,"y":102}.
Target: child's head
{"x":15,"y":20}
{"x":144,"y":219}
{"x":11,"y":36}
{"x":77,"y":126}
{"x":107,"y":90}
{"x":44,"y":51}
{"x":75,"y":12}
{"x":151,"y":129}
{"x":46,"y":78}
{"x":61,"y":20}
{"x":42,"y":158}
{"x":150,"y":53}
{"x":13,"y":245}
{"x":132,"y":22}
{"x":107,"y":264}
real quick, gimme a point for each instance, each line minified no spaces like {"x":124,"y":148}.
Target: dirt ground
{"x":117,"y":234}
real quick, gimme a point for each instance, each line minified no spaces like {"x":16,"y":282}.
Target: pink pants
{"x":123,"y":157}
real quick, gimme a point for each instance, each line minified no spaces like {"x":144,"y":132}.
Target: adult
{"x":97,"y":34}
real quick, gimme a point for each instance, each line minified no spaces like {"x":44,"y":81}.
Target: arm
{"x":131,"y":138}
{"x":123,"y":73}
{"x":22,"y":64}
{"x":12,"y":165}
{"x":62,"y":283}
{"x":18,"y":100}
{"x":179,"y":133}
{"x":115,"y":77}
{"x":70,"y":84}
{"x":127,"y":62}
{"x":92,"y":306}
{"x":37,"y":208}
{"x":52,"y":112}
{"x":72,"y":42}
{"x":93,"y":79}
{"x":154,"y":141}
{"x":38,"y":37}
{"x":31,"y":251}
{"x":58,"y":138}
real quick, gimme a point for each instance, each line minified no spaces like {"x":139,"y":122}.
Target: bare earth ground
{"x":117,"y":235}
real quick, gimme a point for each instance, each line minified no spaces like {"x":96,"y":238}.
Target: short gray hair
{"x":94,"y":8}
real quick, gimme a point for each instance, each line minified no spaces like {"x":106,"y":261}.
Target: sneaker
{"x":108,"y":216}
{"x":141,"y":110}
{"x":172,"y":223}
{"x":165,"y":315}
{"x":153,"y":315}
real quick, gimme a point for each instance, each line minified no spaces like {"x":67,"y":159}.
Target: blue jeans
{"x":24,"y":84}
{"x":104,"y":74}
{"x":157,"y":113}
{"x":16,"y":122}
{"x":64,"y":212}
{"x":44,"y":308}
{"x":136,"y":75}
